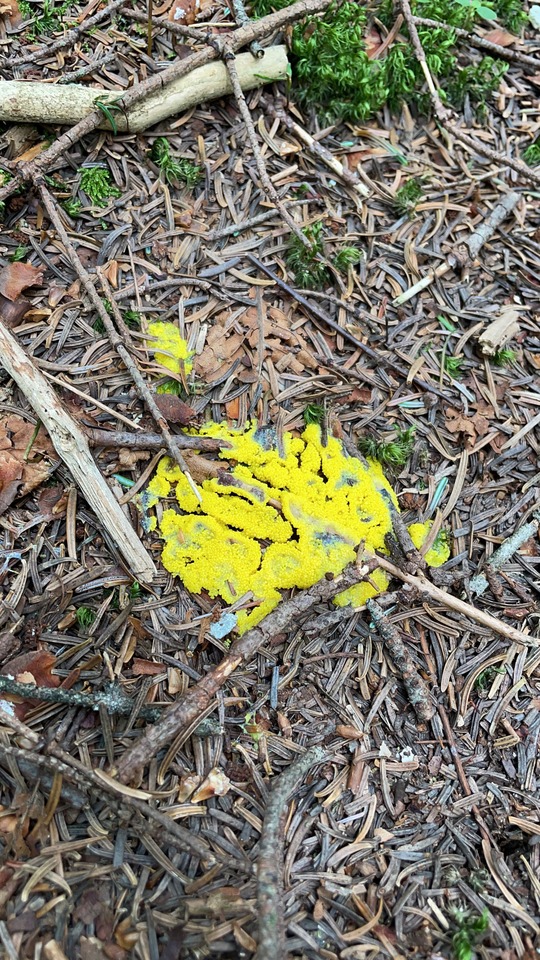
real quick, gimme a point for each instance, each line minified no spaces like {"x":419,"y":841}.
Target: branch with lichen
{"x":416,"y":688}
{"x":271,"y":931}
{"x":479,"y":583}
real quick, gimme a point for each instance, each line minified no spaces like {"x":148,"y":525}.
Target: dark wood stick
{"x":150,"y":441}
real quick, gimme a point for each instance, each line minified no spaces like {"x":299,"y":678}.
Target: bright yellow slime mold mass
{"x":300,"y":513}
{"x":170,"y":349}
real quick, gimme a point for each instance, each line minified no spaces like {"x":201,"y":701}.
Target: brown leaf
{"x":373,"y":41}
{"x":501,"y":37}
{"x":17,"y":475}
{"x":184,"y":11}
{"x":173,"y":409}
{"x":11,"y":314}
{"x":10,"y":9}
{"x":16,"y":277}
{"x":37,"y":664}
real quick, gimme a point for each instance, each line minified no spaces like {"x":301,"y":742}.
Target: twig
{"x":112,"y":698}
{"x":487,"y":228}
{"x":266,"y":183}
{"x":460,"y":606}
{"x":474,"y":244}
{"x":154,"y":822}
{"x":198,"y":34}
{"x":68,"y":38}
{"x":504,"y":53}
{"x":72,"y":447}
{"x":240,"y":38}
{"x":416,"y":688}
{"x":197,"y":699}
{"x":271,"y":932}
{"x":479,"y":584}
{"x":84,"y":71}
{"x":241,"y":18}
{"x":415,"y":560}
{"x":151,"y":441}
{"x":333,"y":164}
{"x":313,"y":310}
{"x":118,"y":344}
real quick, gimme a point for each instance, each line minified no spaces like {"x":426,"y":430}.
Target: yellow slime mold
{"x":307,"y":508}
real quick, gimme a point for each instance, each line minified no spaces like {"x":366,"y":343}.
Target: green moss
{"x":391,"y":453}
{"x":470,"y":928}
{"x":174,"y":169}
{"x":531,"y":154}
{"x":407,"y":198}
{"x":96,"y":183}
{"x":333,"y":74}
{"x":504,"y":356}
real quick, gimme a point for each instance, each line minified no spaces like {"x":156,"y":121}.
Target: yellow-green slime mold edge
{"x":299,"y":514}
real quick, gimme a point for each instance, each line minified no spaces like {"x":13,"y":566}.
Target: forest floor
{"x":414,"y":837}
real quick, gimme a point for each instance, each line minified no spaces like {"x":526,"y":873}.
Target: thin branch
{"x":333,"y":164}
{"x":241,"y":19}
{"x":270,"y":862}
{"x":504,"y":53}
{"x":416,"y":688}
{"x":423,"y":585}
{"x":117,"y":342}
{"x":444,"y":115}
{"x":479,"y":584}
{"x":151,"y":441}
{"x":238,"y":39}
{"x":69,"y":38}
{"x":266,"y":183}
{"x":111,"y":697}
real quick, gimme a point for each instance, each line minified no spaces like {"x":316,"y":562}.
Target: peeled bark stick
{"x":192,"y":704}
{"x":72,"y":447}
{"x":270,"y":862}
{"x":423,"y":585}
{"x":320,"y":151}
{"x":416,"y":688}
{"x":32,"y":101}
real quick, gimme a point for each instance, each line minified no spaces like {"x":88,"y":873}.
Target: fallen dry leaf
{"x":174,"y":409}
{"x":10,"y":9}
{"x":220,"y":351}
{"x":17,"y":475}
{"x":17,"y":276}
{"x":471,"y":427}
{"x":501,"y":37}
{"x":35,"y":669}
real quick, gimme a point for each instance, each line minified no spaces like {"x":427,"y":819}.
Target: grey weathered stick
{"x":479,"y":584}
{"x":40,"y":102}
{"x":416,"y":688}
{"x":316,"y":148}
{"x":270,"y":861}
{"x":72,"y":447}
{"x":488,"y":226}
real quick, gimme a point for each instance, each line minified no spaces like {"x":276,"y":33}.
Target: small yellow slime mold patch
{"x":238,"y":540}
{"x":170,"y":349}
